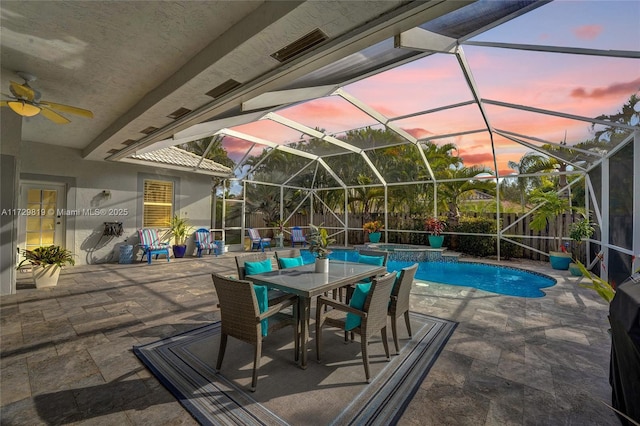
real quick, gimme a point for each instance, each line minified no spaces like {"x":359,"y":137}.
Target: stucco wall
{"x":89,"y":208}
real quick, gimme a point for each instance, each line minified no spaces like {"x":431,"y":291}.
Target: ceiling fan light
{"x":23,"y":109}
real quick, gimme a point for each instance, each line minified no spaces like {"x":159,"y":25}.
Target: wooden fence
{"x":406,"y":229}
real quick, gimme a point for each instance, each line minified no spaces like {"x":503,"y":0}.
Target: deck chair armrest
{"x":341,"y":306}
{"x":274,"y":309}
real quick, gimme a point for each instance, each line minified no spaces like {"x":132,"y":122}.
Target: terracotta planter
{"x":322,"y":266}
{"x":46,"y":276}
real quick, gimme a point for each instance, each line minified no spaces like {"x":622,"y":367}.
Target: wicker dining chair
{"x":348,"y":290}
{"x":241,"y":319}
{"x":373,"y":317}
{"x":275,"y":296}
{"x":399,"y":305}
{"x":375,"y":253}
{"x":285,"y":254}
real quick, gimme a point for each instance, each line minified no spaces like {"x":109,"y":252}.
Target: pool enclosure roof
{"x":478,"y":77}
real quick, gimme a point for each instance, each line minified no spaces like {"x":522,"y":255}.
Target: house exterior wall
{"x":10,"y":137}
{"x":88,"y":208}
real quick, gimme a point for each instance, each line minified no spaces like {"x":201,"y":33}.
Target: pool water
{"x":495,"y":279}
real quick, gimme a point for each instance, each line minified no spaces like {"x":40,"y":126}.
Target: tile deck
{"x":66,"y":353}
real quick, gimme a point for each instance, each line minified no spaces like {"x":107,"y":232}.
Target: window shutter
{"x":157,"y":203}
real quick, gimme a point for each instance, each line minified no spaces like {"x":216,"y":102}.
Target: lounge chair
{"x":151,"y":244}
{"x":257,"y":242}
{"x":297,"y":236}
{"x":204,"y":241}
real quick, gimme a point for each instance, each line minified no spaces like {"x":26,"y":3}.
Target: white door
{"x":41,"y":219}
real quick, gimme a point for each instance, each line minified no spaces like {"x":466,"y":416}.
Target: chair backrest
{"x":249,"y":257}
{"x":203,"y":236}
{"x":238,"y":308}
{"x":377,"y":253}
{"x":402,"y":289}
{"x":377,"y":303}
{"x":297,"y":235}
{"x":286,"y":254}
{"x":254,"y":235}
{"x":148,"y":237}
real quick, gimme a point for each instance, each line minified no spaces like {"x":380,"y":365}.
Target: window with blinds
{"x":157,"y":203}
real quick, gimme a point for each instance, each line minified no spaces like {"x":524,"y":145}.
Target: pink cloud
{"x":418,"y":132}
{"x":615,"y":89}
{"x":588,"y":32}
{"x":481,"y":158}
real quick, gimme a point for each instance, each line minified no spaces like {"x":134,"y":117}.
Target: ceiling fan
{"x":27,"y":102}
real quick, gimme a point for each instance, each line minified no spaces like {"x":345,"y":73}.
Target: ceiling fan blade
{"x":21,"y":91}
{"x":53,"y":116}
{"x":67,"y":108}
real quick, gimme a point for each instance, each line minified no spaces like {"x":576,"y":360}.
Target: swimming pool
{"x":495,"y":279}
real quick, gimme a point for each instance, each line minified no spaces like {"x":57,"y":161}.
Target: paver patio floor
{"x":67,"y":358}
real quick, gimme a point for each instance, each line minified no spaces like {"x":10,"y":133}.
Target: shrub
{"x":480,"y":245}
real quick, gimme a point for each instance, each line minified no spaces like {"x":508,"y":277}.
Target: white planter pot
{"x":322,"y":266}
{"x":46,"y":276}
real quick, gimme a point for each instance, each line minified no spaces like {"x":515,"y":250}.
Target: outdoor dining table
{"x":304,"y":282}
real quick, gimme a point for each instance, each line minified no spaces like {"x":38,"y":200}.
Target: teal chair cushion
{"x":290,"y":262}
{"x":357,"y":301}
{"x":371,"y":260}
{"x":252,"y":268}
{"x":262,"y":294}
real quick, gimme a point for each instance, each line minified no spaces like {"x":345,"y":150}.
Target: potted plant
{"x":578,"y":231}
{"x":435,"y":227}
{"x":46,"y":263}
{"x":179,"y":229}
{"x":373,"y":228}
{"x":319,"y":242}
{"x":551,"y":210}
{"x":279,"y":233}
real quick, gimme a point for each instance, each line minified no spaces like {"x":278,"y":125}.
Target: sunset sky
{"x":581,"y":85}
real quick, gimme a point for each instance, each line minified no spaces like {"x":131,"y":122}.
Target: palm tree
{"x":466,"y":180}
{"x":531,"y":162}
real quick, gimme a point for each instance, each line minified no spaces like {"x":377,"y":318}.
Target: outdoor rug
{"x":330,"y":392}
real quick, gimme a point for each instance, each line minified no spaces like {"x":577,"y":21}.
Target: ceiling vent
{"x":179,"y":113}
{"x":128,"y":142}
{"x":149,"y":130}
{"x":113,"y":151}
{"x":301,"y":45}
{"x":223,"y":89}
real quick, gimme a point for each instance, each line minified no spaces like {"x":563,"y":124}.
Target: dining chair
{"x":261,"y":258}
{"x":288,"y":256}
{"x":204,"y":241}
{"x":369,"y":307}
{"x":374,"y":253}
{"x":243,"y":318}
{"x":374,"y":257}
{"x":151,"y":244}
{"x":257,"y":242}
{"x":297,"y":236}
{"x":399,"y":305}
